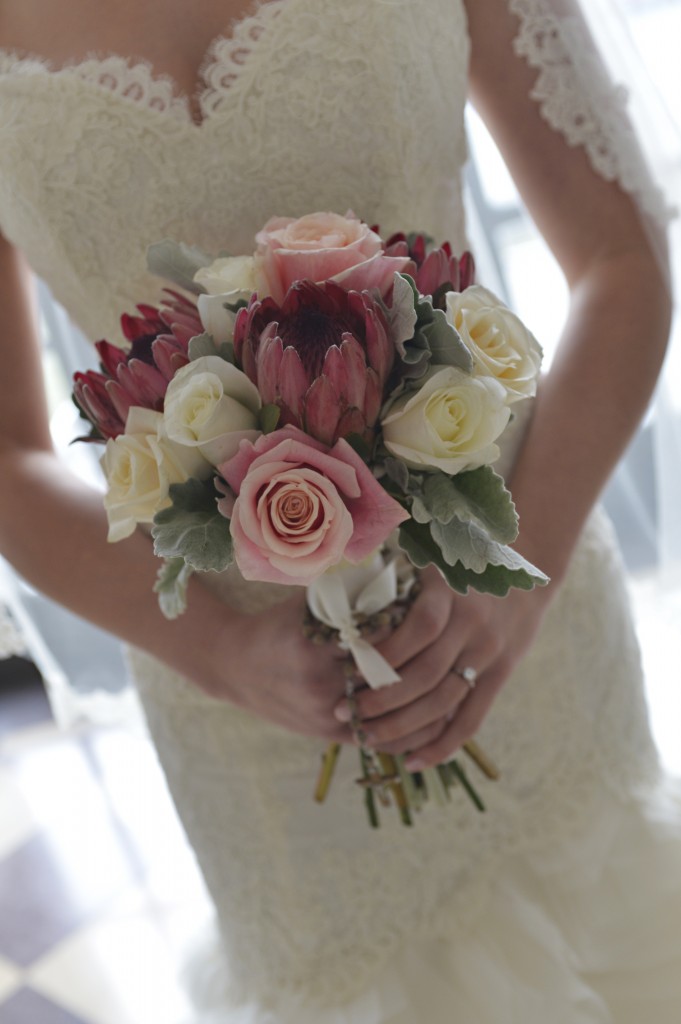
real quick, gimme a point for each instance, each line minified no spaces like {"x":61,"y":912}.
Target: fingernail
{"x":343,"y":713}
{"x":414,"y":764}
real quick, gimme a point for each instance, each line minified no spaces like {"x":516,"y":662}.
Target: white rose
{"x":228,"y":274}
{"x":140,"y":465}
{"x":499,"y":342}
{"x":226,"y":280}
{"x":212,"y":406}
{"x":451,"y":423}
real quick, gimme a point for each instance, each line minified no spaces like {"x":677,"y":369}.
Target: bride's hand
{"x":433,"y":710}
{"x":265,"y":664}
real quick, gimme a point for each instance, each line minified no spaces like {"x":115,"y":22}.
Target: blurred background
{"x":98,"y":889}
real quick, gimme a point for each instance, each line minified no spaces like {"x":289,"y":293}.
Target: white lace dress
{"x":562,"y":903}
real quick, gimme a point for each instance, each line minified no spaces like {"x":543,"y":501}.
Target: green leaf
{"x":269,"y":418}
{"x":203,"y":345}
{"x":401,"y":314}
{"x":171,"y":586}
{"x":416,"y":541}
{"x":435,"y":340}
{"x":479,"y":496}
{"x":193,"y":528}
{"x":398,"y":473}
{"x":420,"y":511}
{"x":475,"y":550}
{"x":445,"y":344}
{"x":177,"y":262}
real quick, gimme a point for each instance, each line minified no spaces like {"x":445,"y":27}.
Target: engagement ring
{"x":468,"y":674}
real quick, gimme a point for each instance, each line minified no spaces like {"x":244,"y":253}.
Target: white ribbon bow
{"x":338,"y":597}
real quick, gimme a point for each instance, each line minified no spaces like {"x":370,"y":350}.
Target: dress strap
{"x":578,"y":99}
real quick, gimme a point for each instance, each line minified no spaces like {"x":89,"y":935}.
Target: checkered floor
{"x":98,"y":889}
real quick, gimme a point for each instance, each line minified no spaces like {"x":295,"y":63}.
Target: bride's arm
{"x":588,"y":406}
{"x":53,"y":529}
{"x":614,"y":261}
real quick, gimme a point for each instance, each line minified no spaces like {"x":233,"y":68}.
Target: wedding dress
{"x":562,"y":903}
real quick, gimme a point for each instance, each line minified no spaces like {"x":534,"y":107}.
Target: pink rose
{"x":323,"y":247}
{"x":302,"y":507}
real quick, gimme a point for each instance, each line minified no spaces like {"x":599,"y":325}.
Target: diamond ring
{"x":468,"y":674}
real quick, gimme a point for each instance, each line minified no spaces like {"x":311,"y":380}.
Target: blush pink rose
{"x":323,"y":247}
{"x":302,"y":507}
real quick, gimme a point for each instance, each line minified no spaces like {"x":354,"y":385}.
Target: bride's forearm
{"x":53,"y":530}
{"x":590,"y":403}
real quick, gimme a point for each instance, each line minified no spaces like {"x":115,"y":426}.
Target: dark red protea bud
{"x":323,"y":357}
{"x":436,"y":270}
{"x":139,"y":375}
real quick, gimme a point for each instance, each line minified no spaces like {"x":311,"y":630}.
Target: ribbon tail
{"x":374,"y":668}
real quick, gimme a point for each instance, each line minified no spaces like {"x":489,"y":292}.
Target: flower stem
{"x":465,"y":782}
{"x":369,"y":799}
{"x":329,"y":759}
{"x":481,"y":759}
{"x":389,"y":767}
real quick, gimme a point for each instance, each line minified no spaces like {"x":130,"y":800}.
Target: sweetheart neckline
{"x":219,"y":70}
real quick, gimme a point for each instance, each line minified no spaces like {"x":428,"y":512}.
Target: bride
{"x":563,"y":902}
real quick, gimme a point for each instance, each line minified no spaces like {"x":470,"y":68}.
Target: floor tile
{"x":29,"y":1007}
{"x":17,"y":823}
{"x":10,"y":978}
{"x":118,"y":971}
{"x":55,"y":882}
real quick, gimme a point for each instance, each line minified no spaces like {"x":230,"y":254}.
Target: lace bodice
{"x":83,"y":195}
{"x":129,"y":165}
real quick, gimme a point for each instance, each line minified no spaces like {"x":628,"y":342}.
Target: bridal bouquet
{"x":324,"y":412}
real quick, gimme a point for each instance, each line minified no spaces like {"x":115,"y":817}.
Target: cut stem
{"x":465,"y":782}
{"x":329,"y":759}
{"x":481,"y":759}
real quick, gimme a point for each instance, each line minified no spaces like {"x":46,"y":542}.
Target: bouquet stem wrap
{"x":351,"y":600}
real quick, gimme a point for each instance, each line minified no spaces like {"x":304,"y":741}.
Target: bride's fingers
{"x":464,"y":725}
{"x":418,"y":678}
{"x":398,"y":726}
{"x":416,"y":740}
{"x":425,"y":623}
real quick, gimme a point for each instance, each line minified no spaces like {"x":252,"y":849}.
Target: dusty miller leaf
{"x":479,"y":496}
{"x":203,"y":345}
{"x":445,"y":344}
{"x":193,"y":528}
{"x":416,"y":541}
{"x":475,"y":550}
{"x":401,"y":314}
{"x":177,"y":262}
{"x":171,"y":586}
{"x":435,"y":340}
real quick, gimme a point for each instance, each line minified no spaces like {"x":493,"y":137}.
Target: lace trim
{"x":227,"y":56}
{"x":577,"y":99}
{"x":11,"y":641}
{"x":136,"y":80}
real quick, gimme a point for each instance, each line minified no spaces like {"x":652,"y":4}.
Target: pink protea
{"x":137,"y":375}
{"x":437,"y":270}
{"x":323,"y":357}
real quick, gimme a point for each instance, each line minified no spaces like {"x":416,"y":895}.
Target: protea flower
{"x":159,"y":341}
{"x":437,"y":271}
{"x":323,"y":357}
